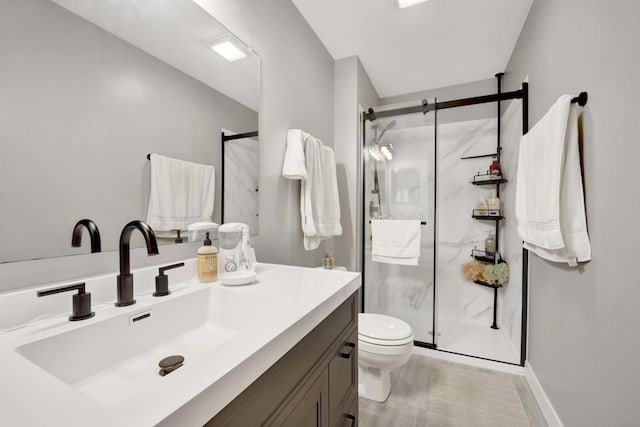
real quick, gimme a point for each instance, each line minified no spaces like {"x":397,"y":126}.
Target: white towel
{"x":181,"y":193}
{"x":319,"y":201}
{"x":294,"y":160}
{"x":550,"y":208}
{"x":395,"y":241}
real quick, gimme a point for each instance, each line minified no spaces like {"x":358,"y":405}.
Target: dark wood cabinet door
{"x":313,"y":409}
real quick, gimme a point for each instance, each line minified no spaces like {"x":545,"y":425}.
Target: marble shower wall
{"x":241,"y":160}
{"x":459,"y":299}
{"x":512,"y":293}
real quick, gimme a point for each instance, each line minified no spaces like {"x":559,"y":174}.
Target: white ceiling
{"x":434,"y":44}
{"x":179,"y":33}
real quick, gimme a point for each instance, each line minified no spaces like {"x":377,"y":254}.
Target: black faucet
{"x":125,"y":278}
{"x":94,"y":234}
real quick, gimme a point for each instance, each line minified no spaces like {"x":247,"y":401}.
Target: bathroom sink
{"x":112,"y":359}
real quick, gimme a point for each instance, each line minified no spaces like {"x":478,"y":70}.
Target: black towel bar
{"x":421,"y":222}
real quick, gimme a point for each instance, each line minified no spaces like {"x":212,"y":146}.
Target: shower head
{"x":381,"y":150}
{"x":376,"y":126}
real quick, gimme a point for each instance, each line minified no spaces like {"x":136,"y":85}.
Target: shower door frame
{"x":424,"y":108}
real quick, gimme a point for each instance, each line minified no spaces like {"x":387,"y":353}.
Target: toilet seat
{"x":381,"y":330}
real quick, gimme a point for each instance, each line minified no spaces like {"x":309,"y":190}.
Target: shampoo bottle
{"x":207,"y":262}
{"x":494,"y":204}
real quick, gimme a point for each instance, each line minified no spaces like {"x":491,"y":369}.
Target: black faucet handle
{"x":162,"y":281}
{"x":81,"y":301}
{"x":161,"y":270}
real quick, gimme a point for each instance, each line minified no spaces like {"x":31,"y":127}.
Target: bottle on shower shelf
{"x":494,"y":204}
{"x":495,"y":170}
{"x":483,"y":207}
{"x":490,"y":245}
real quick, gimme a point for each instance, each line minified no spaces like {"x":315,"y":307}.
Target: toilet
{"x":384,"y":343}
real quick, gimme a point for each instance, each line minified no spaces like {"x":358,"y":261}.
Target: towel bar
{"x":421,"y":222}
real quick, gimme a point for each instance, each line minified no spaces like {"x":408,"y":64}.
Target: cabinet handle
{"x":347,"y":354}
{"x":351,"y":418}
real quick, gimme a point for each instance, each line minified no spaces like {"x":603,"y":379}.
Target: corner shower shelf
{"x":483,"y":214}
{"x":486,"y":179}
{"x":489,"y":181}
{"x":487,"y":284}
{"x":484,"y":256}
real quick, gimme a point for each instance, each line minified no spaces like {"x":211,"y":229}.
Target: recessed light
{"x":228,"y":50}
{"x":407,"y":3}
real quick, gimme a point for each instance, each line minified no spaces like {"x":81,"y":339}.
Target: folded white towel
{"x":319,"y":201}
{"x":294,"y":160}
{"x":550,"y":208}
{"x":395,"y":241}
{"x":181,"y":193}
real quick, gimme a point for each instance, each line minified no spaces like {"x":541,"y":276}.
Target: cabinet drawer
{"x":343,"y":376}
{"x":349,"y":416}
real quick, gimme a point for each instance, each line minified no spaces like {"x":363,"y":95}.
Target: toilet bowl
{"x":384,"y":343}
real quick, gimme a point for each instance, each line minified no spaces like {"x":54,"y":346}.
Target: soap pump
{"x":207,"y":261}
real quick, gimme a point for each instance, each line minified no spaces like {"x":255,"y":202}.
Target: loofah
{"x":497,"y":273}
{"x":473,"y":270}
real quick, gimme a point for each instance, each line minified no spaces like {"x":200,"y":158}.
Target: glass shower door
{"x":399,"y":183}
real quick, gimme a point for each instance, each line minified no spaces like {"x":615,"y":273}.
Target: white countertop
{"x":193,"y":394}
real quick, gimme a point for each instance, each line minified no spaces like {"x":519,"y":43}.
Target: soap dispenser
{"x":207,"y":261}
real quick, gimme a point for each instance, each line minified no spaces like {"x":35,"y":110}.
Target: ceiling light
{"x":228,"y":50}
{"x":407,"y":3}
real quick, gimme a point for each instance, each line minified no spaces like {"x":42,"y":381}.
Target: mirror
{"x":89,"y":88}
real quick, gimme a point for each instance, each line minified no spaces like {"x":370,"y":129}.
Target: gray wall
{"x":79,"y":111}
{"x":353,"y":90}
{"x":583,"y":342}
{"x":297,"y":92}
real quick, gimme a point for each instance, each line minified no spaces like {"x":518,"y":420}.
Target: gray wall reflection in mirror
{"x":88,"y":90}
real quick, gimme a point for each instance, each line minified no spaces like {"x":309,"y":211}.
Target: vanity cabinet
{"x":313,"y":384}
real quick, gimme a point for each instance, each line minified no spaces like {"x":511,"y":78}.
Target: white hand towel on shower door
{"x":395,"y":241}
{"x":550,"y":208}
{"x":181,"y":193}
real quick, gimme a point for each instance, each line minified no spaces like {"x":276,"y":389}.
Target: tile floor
{"x":436,"y":393}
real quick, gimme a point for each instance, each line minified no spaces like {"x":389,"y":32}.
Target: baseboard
{"x":547,"y":409}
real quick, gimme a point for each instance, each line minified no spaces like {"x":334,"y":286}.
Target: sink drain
{"x":170,"y":364}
